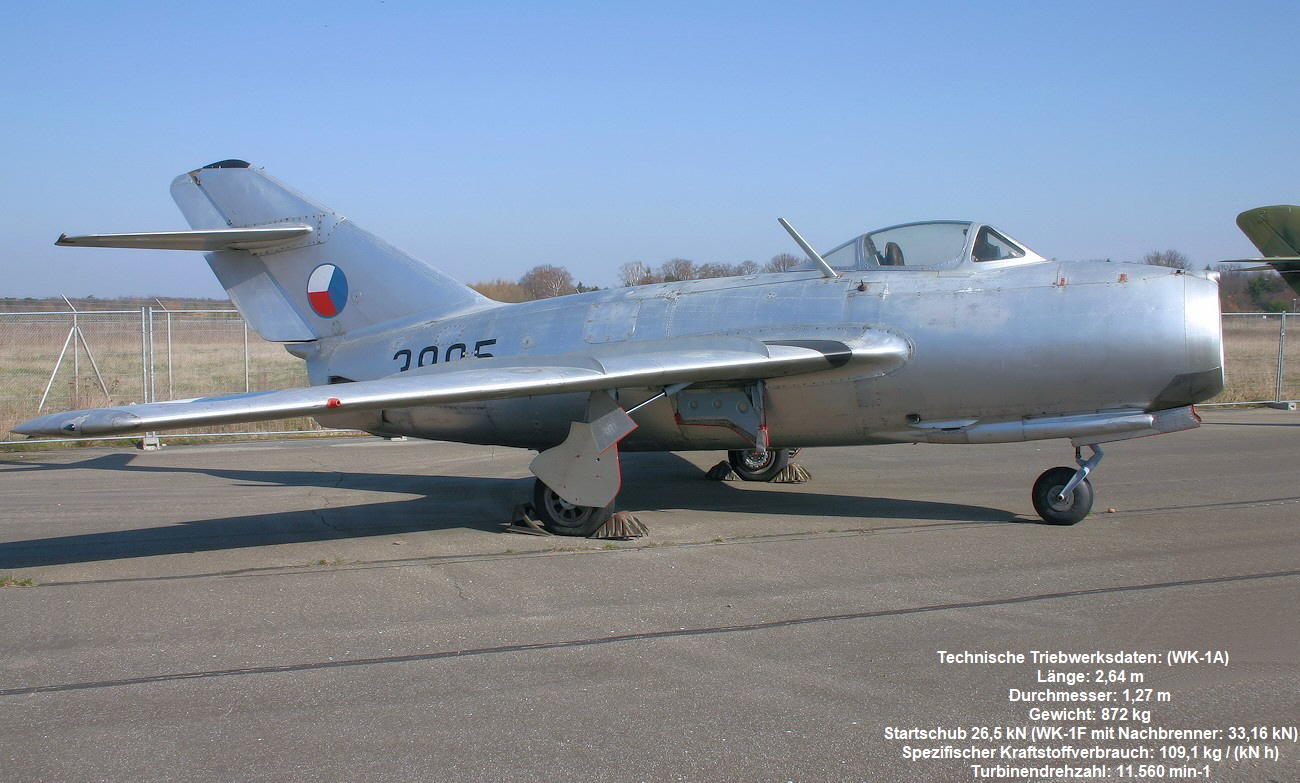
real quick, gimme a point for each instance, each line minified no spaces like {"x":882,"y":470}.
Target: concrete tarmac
{"x":353,"y":609}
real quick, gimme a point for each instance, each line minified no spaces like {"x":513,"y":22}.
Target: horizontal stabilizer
{"x":259,"y":238}
{"x":1283,"y":266}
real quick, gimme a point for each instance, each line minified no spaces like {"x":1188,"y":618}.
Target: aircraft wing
{"x":1276,"y":232}
{"x":652,"y":363}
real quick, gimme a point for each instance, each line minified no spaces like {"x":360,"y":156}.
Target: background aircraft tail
{"x":1276,"y":232}
{"x":329,"y":280}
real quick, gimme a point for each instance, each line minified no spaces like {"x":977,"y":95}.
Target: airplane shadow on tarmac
{"x":444,"y":502}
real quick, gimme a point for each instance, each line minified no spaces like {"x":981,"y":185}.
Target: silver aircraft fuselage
{"x":990,"y":348}
{"x":941,"y":331}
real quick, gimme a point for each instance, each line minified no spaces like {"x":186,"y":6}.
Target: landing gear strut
{"x":1063,"y":496}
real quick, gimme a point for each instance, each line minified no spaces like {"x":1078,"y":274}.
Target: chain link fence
{"x":52,"y":361}
{"x":1261,"y":361}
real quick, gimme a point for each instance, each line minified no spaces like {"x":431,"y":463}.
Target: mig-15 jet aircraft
{"x":935,"y":332}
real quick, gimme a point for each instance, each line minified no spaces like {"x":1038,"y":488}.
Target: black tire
{"x":1073,"y":508}
{"x":752,"y":466}
{"x":562,"y":518}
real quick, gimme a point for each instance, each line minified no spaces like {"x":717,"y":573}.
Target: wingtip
{"x":27,"y":430}
{"x":41,"y":426}
{"x":80,"y":424}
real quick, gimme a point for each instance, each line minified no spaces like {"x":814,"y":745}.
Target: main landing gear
{"x":563,"y":518}
{"x":1063,"y":496}
{"x":754,"y":465}
{"x":577,"y":480}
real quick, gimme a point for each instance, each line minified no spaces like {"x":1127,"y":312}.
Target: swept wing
{"x":649,"y":364}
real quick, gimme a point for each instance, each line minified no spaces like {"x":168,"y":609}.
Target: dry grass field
{"x":195,"y":353}
{"x":1250,"y":351}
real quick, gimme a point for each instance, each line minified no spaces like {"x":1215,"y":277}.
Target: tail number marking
{"x":429,"y":354}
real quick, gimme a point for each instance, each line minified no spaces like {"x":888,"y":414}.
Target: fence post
{"x":153,"y":360}
{"x":171,"y":388}
{"x":1281,"y":358}
{"x":144,"y":354}
{"x":150,"y":441}
{"x":72,"y":335}
{"x":76,"y":360}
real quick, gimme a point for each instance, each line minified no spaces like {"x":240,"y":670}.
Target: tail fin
{"x":1276,"y":232}
{"x":294,"y":268}
{"x":336,"y":279}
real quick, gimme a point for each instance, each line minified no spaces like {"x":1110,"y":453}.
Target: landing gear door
{"x":740,"y":409}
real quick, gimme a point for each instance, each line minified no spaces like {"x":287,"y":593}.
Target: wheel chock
{"x":522,"y":522}
{"x":794,"y":473}
{"x":622,"y":525}
{"x":720,"y":472}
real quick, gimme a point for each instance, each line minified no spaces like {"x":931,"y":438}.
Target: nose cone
{"x":1203,"y":378}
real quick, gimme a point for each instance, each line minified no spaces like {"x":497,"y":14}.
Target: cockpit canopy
{"x":936,"y":244}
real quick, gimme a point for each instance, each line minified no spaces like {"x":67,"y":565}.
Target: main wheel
{"x":564,"y":518}
{"x":758,"y":466}
{"x":1056,"y":510}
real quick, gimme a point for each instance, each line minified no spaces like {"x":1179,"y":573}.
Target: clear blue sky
{"x":489,"y":137}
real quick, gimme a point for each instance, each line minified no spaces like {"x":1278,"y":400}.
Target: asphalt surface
{"x":355,"y":610}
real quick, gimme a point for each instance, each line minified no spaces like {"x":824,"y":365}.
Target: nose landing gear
{"x":1063,"y":496}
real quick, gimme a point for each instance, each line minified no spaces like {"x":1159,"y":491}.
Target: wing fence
{"x":52,"y":361}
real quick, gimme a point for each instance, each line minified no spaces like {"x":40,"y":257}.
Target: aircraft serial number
{"x":431,"y":354}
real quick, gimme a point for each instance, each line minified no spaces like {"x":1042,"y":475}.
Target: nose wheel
{"x":1063,"y":496}
{"x":1057,"y":507}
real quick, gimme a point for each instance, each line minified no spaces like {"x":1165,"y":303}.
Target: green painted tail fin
{"x":1276,"y":232}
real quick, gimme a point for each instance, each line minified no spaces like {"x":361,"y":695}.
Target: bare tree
{"x":1171,"y":258}
{"x":782,"y":262}
{"x":545,"y":280}
{"x":633,"y":273}
{"x":705,"y":271}
{"x":677,"y":269}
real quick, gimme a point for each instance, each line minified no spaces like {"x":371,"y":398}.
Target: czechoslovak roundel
{"x":327,"y":290}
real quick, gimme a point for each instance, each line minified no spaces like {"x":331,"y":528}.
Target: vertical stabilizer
{"x":335,"y":279}
{"x":1276,"y":232}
